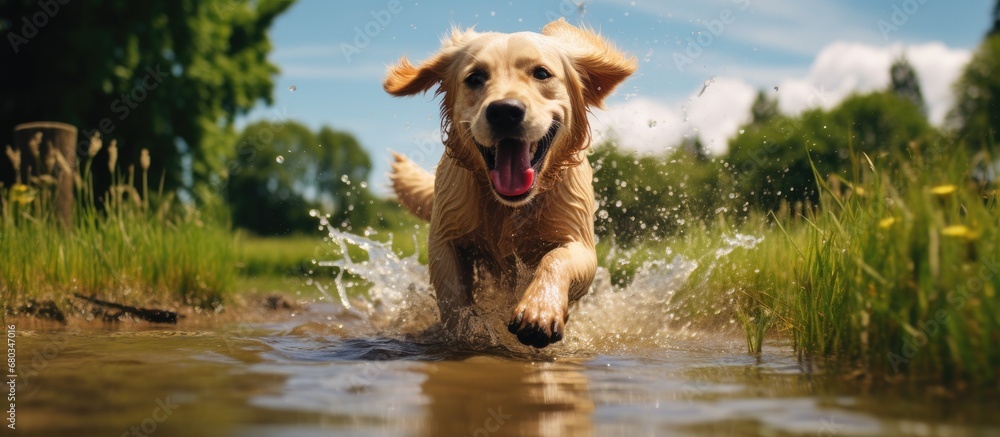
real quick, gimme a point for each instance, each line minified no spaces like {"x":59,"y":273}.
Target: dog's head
{"x":515,"y":105}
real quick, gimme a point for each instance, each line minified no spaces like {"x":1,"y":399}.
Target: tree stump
{"x":37,"y":159}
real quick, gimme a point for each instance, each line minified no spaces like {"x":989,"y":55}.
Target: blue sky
{"x":815,"y":52}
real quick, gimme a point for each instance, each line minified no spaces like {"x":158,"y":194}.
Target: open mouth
{"x":513,"y":163}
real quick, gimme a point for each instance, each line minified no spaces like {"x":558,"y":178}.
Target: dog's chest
{"x":507,"y":235}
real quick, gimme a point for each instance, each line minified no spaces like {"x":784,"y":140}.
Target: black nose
{"x":504,"y":115}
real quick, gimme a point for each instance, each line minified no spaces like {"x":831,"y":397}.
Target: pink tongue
{"x":513,"y":175}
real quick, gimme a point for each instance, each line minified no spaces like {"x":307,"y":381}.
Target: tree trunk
{"x":37,"y":161}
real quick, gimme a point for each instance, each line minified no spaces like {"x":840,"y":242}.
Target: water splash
{"x":737,"y":241}
{"x":649,"y":312}
{"x":400,"y":298}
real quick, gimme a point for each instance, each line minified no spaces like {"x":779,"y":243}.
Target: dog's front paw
{"x":539,"y":318}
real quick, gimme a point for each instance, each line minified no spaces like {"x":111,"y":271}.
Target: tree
{"x":772,"y":161}
{"x":344,"y":164}
{"x":976,"y":115}
{"x":905,"y":83}
{"x":642,"y":196}
{"x":764,"y":108}
{"x":167,"y":76}
{"x":692,"y":146}
{"x":282,"y":171}
{"x":995,"y":30}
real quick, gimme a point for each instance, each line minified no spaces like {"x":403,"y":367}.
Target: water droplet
{"x":313,"y":213}
{"x":345,"y":179}
{"x":280,"y":159}
{"x":493,"y":13}
{"x":742,"y":131}
{"x":292,"y":88}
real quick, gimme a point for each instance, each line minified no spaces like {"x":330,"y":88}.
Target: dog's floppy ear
{"x":600,"y":64}
{"x":404,"y":79}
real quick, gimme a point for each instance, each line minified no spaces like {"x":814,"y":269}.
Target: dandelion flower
{"x":960,"y":231}
{"x":144,"y":159}
{"x":22,"y":194}
{"x":886,"y":223}
{"x":943,"y":190}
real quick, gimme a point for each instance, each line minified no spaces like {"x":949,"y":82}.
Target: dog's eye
{"x":541,"y":73}
{"x":475,"y":79}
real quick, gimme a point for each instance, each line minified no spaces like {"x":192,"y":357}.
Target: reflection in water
{"x":279,"y":380}
{"x":488,"y":396}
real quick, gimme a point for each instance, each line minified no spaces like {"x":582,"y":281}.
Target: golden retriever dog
{"x":514,"y":186}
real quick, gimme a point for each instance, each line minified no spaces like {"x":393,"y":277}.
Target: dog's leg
{"x":451,"y":276}
{"x":564,"y":274}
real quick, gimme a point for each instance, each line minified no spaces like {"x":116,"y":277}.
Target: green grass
{"x":135,"y":260}
{"x":897,"y":275}
{"x":286,"y":263}
{"x":135,"y":248}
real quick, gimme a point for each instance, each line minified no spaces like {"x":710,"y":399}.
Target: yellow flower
{"x":943,"y":190}
{"x":22,"y":194}
{"x":960,"y":231}
{"x":886,"y":222}
{"x":859,"y":191}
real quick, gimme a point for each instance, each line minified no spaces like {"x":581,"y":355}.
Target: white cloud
{"x":717,"y":113}
{"x":640,"y":124}
{"x":843,"y":68}
{"x":713,"y":113}
{"x":939,"y":67}
{"x":839,"y":70}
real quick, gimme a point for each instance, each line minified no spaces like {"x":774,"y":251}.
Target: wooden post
{"x":61,"y":137}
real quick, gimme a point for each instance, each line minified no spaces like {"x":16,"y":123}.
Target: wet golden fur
{"x":550,"y":230}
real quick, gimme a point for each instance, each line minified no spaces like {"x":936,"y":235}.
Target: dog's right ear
{"x":405,"y":79}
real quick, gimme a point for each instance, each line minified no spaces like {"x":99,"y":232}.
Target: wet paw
{"x":539,"y":320}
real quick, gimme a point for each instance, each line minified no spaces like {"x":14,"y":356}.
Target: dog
{"x":514,"y":186}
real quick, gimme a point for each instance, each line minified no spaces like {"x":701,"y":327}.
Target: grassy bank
{"x":895,"y":274}
{"x":127,"y":245}
{"x":900,"y":274}
{"x":134,"y":258}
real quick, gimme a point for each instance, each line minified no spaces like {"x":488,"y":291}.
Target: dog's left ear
{"x":600,"y":64}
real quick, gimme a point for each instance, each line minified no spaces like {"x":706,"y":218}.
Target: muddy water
{"x":376,"y":365}
{"x":299,"y":379}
